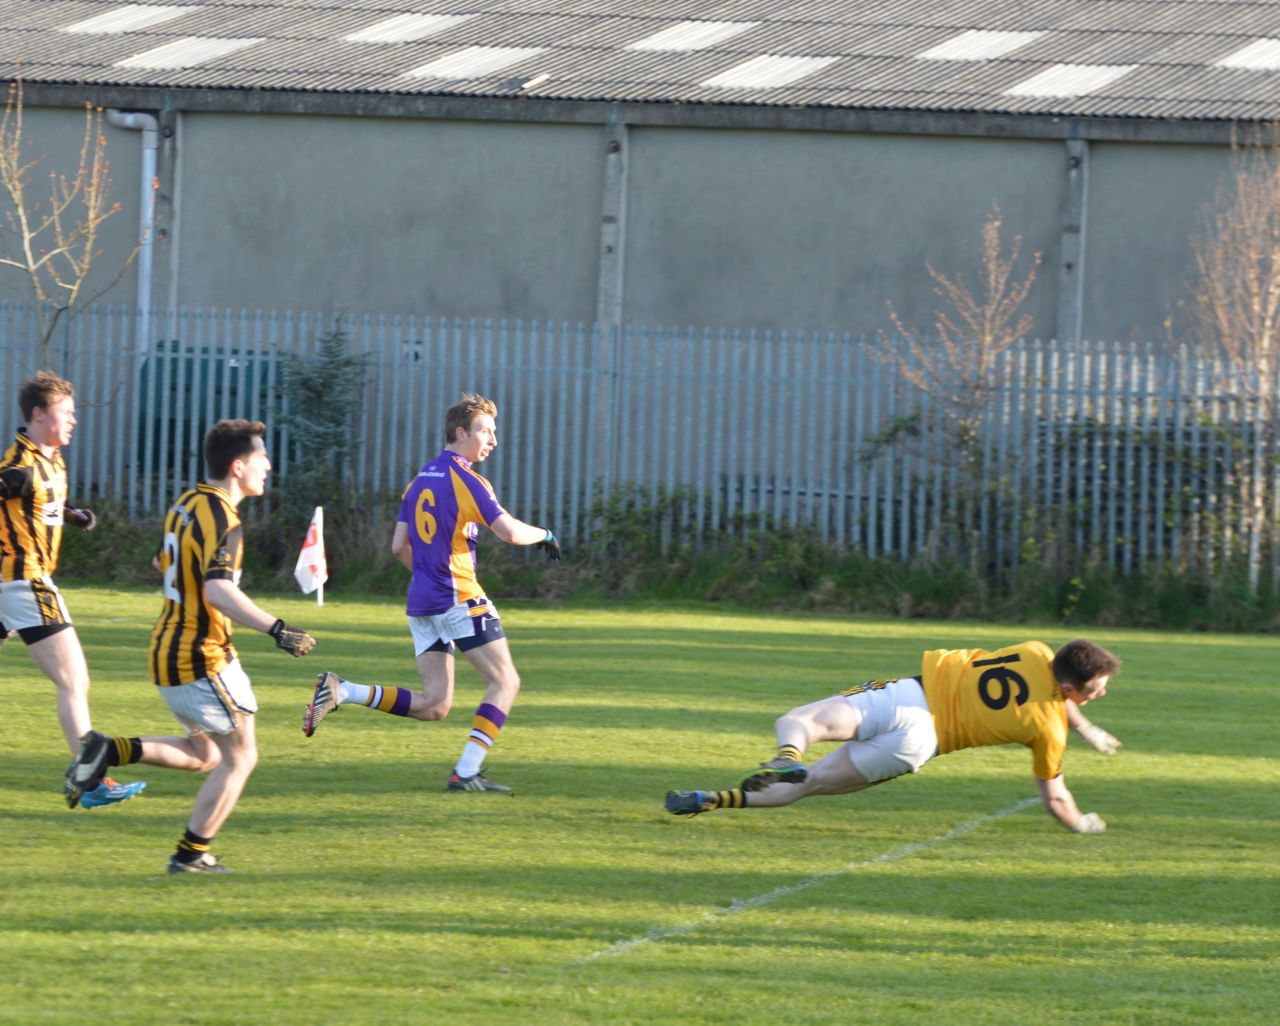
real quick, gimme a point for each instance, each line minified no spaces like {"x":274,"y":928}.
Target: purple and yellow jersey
{"x":1009,"y":696}
{"x":443,"y":507}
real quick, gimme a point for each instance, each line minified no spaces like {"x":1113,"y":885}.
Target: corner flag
{"x":311,"y":570}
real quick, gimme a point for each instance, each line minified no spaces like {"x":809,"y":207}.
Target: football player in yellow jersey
{"x":194,"y":665}
{"x":961,"y":698}
{"x":33,"y":510}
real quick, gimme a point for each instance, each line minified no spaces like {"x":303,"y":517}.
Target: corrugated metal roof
{"x":128,"y":18}
{"x":1186,"y":59}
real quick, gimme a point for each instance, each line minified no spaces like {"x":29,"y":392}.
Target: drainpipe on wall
{"x":150,"y":129}
{"x":1073,"y":242}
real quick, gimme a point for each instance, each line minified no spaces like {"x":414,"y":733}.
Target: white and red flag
{"x":311,"y":570}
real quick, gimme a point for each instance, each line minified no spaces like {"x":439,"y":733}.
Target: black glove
{"x":551,"y":545}
{"x":16,"y":483}
{"x":293,"y":640}
{"x":81,"y":518}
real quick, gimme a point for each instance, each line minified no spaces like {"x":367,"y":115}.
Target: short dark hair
{"x":42,"y":391}
{"x":460,"y":415}
{"x":1078,"y":662}
{"x":227,"y":441}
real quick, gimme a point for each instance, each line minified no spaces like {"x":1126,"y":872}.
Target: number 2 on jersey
{"x":170,"y":586}
{"x":426,"y":522}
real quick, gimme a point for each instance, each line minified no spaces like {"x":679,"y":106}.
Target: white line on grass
{"x":745,"y":904}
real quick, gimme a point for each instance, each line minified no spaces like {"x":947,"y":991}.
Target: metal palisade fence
{"x":1119,"y":454}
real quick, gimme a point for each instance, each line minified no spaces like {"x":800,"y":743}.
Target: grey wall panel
{"x":1145,"y":205}
{"x":374,"y":215}
{"x":816,"y":231}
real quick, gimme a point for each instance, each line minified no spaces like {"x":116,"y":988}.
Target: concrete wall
{"x":733,"y":226}
{"x":400,"y":216}
{"x":1146,"y":204}
{"x":799,"y":229}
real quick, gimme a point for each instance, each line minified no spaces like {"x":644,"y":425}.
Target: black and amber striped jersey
{"x":31,"y":524}
{"x":202,"y":542}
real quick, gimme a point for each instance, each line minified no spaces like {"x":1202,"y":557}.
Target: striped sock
{"x":485,"y":725}
{"x":733,"y":799}
{"x":395,"y":701}
{"x":789,"y":752}
{"x":192,"y":846}
{"x":127,"y":750}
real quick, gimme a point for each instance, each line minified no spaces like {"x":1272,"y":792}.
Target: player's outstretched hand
{"x":81,"y":518}
{"x":293,"y":640}
{"x":1098,"y":739}
{"x":551,"y":545}
{"x":1089,"y":823}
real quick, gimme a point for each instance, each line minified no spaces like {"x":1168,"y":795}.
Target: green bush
{"x":648,"y":548}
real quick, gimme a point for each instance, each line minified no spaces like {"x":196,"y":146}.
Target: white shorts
{"x":212,"y":705}
{"x":465,"y":626}
{"x":895,"y":734}
{"x":35,"y":603}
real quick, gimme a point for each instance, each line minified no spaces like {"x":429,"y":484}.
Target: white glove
{"x":1098,"y":739}
{"x":1089,"y":823}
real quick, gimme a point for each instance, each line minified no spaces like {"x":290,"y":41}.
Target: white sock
{"x":471,"y":760}
{"x":349,"y":692}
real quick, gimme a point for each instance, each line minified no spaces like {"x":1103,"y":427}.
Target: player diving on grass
{"x":448,"y":611}
{"x":961,"y":698}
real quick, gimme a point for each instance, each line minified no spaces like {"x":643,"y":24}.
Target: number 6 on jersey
{"x":425,"y":521}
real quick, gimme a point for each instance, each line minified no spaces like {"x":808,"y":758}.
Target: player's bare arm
{"x":227,"y":598}
{"x":400,"y":545}
{"x":517,"y":532}
{"x":1092,"y":735}
{"x":1061,"y":805}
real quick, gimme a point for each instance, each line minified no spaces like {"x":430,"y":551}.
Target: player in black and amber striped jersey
{"x":203,"y":541}
{"x":33,"y":496}
{"x":193,"y":662}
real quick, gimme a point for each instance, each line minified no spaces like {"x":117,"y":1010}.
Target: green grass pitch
{"x":366,"y":894}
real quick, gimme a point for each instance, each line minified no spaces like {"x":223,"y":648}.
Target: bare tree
{"x":53,"y":241}
{"x":1236,"y":317}
{"x":958,"y":365}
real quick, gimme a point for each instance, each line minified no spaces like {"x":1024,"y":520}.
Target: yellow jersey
{"x":1009,"y":696}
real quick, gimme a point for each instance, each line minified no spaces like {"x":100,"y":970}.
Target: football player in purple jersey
{"x":440,"y":517}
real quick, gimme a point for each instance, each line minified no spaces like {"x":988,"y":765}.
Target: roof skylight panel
{"x":767,"y":72}
{"x":1070,"y":80}
{"x":692,"y":35}
{"x":979,"y":45}
{"x":185,"y":52}
{"x":474,"y":62}
{"x":129,"y":18}
{"x":406,"y":28}
{"x":1260,"y":55}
